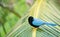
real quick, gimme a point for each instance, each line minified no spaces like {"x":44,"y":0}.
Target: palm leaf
{"x":46,"y":11}
{"x":8,"y":16}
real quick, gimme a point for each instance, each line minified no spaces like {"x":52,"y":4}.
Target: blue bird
{"x":38,"y":22}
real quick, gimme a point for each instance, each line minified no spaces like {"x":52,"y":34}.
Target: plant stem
{"x":34,"y":32}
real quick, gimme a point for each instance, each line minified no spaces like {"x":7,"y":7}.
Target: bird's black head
{"x":30,"y":20}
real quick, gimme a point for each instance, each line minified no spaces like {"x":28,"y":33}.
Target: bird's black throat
{"x":30,"y":20}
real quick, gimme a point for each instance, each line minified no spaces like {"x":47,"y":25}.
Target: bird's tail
{"x":50,"y":24}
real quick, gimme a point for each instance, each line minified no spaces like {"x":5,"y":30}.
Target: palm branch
{"x":42,"y":9}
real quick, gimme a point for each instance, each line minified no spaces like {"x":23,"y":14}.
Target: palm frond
{"x":48,"y":12}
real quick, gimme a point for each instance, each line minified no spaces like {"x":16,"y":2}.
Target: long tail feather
{"x":50,"y":24}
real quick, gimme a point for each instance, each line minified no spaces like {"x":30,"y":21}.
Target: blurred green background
{"x":11,"y":11}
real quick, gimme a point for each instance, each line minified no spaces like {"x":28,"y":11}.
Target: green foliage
{"x":8,"y":17}
{"x":12,"y":25}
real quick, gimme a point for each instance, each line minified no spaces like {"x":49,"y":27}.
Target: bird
{"x":38,"y":22}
